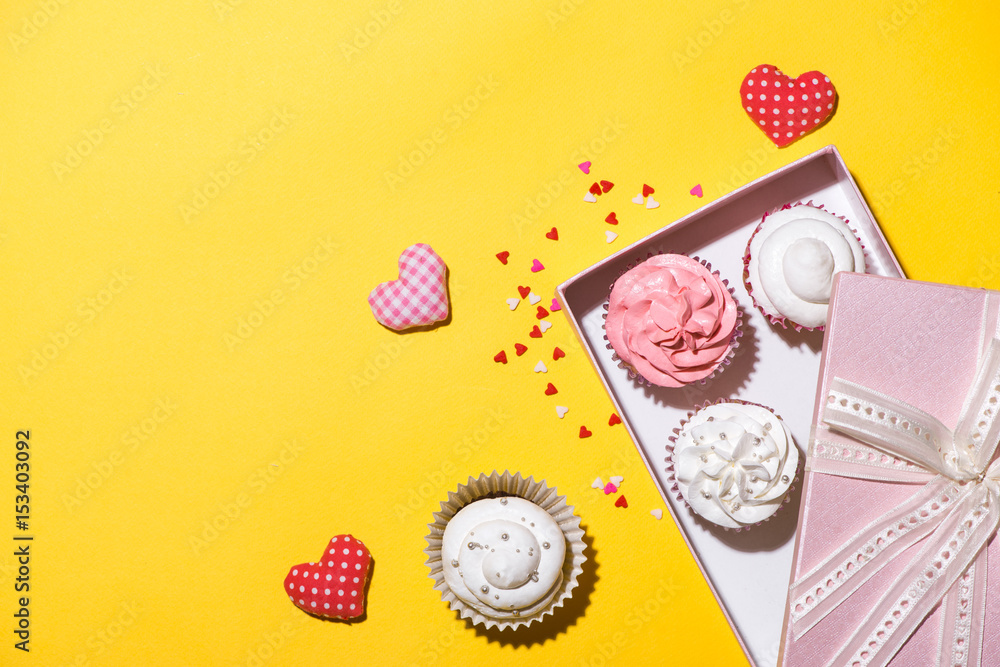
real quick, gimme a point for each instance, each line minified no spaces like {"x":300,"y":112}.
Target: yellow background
{"x":122,"y":309}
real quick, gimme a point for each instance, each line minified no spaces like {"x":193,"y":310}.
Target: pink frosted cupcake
{"x":790,"y":261}
{"x":733,"y":463}
{"x":672,"y":321}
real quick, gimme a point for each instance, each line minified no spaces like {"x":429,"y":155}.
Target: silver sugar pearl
{"x":505,"y":537}
{"x":706,"y":494}
{"x":784,"y":478}
{"x":485,"y":589}
{"x":736,"y":507}
{"x":503,"y":501}
{"x":545,"y":545}
{"x":454,"y":563}
{"x":722,"y":436}
{"x":767,"y":426}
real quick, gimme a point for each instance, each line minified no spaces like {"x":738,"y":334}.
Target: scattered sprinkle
{"x":536,"y":266}
{"x":545,"y":325}
{"x":501,"y":357}
{"x":520,"y":349}
{"x":621,"y":502}
{"x":610,"y":488}
{"x":554,"y":234}
{"x":597,"y":484}
{"x":523,"y":291}
{"x":584,"y":433}
{"x":696,"y":191}
{"x":647,"y":190}
{"x":606,"y":186}
{"x":502,"y":256}
{"x":652,"y":203}
{"x":555,"y":305}
{"x":610,"y":235}
{"x":535,"y":332}
{"x":541,"y":312}
{"x":512,"y":302}
{"x":585,"y":167}
{"x":533,"y":298}
{"x":561,"y":410}
{"x":657,"y":514}
{"x":617,"y":480}
{"x":589,"y":198}
{"x":638,"y":199}
{"x":612,"y":219}
{"x":595,"y":189}
{"x":557,"y":354}
{"x":615,"y":419}
{"x":551,"y":390}
{"x":540,"y":367}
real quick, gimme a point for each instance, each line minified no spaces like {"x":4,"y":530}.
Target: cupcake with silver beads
{"x":733,"y":463}
{"x":505,"y":551}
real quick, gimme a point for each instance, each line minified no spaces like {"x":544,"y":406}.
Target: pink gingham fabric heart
{"x":419,"y":297}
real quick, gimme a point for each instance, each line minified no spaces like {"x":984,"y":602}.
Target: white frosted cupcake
{"x":791,"y":259}
{"x":505,"y":551}
{"x":733,"y":463}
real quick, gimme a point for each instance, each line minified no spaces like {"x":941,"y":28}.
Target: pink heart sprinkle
{"x":696,"y":190}
{"x":585,"y":167}
{"x":610,"y":488}
{"x":555,"y":305}
{"x":536,"y":266}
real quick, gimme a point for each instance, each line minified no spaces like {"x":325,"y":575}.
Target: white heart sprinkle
{"x":561,"y":410}
{"x":610,"y":235}
{"x":540,"y":368}
{"x":637,"y":199}
{"x":590,"y":197}
{"x":652,"y":203}
{"x":657,"y":514}
{"x":617,"y":480}
{"x":544,"y":325}
{"x":533,"y":298}
{"x":598,"y":484}
{"x":513,"y":303}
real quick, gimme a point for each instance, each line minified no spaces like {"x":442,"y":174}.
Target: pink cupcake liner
{"x":734,"y":340}
{"x":781,"y":319}
{"x":672,"y":480}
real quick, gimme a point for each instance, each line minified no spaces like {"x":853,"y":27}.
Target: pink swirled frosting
{"x":671,"y":320}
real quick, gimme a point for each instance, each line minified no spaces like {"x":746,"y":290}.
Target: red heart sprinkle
{"x":535,"y":332}
{"x":615,"y":419}
{"x":554,"y":234}
{"x":523,"y":291}
{"x":584,"y":433}
{"x":646,"y":190}
{"x":334,"y":587}
{"x":555,"y":305}
{"x":542,"y":313}
{"x":501,"y":357}
{"x":520,"y":349}
{"x":551,"y":390}
{"x":595,"y":189}
{"x":621,"y":502}
{"x":502,"y":256}
{"x":607,"y":185}
{"x":612,"y":219}
{"x":557,"y":354}
{"x":785,"y":109}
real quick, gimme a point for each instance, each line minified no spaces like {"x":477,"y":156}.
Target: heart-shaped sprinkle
{"x":595,"y":189}
{"x":541,"y":312}
{"x":606,"y":186}
{"x":523,"y":290}
{"x":520,"y":349}
{"x":638,"y":199}
{"x":536,"y":266}
{"x":557,"y":354}
{"x":540,"y":368}
{"x":561,"y":410}
{"x":584,"y":433}
{"x":333,"y":587}
{"x":610,"y":488}
{"x":647,"y":190}
{"x":551,"y":390}
{"x":555,"y":305}
{"x":418,"y":297}
{"x":533,"y":298}
{"x":612,"y":219}
{"x":598,"y":483}
{"x":501,"y":357}
{"x":609,"y":235}
{"x":785,"y":109}
{"x":657,"y":514}
{"x":617,"y":480}
{"x":652,"y":203}
{"x":502,"y":256}
{"x":621,"y":502}
{"x":696,"y":191}
{"x":585,"y":167}
{"x":535,"y":332}
{"x":512,"y":302}
{"x":553,"y":234}
{"x":615,"y":419}
{"x":545,"y":325}
{"x":589,"y":198}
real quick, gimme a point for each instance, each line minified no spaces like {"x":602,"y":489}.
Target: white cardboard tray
{"x":748,"y":571}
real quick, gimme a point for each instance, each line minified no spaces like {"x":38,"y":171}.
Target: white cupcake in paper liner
{"x":505,"y":551}
{"x":733,"y":463}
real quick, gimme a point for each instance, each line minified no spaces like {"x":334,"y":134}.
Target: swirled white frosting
{"x":793,"y":258}
{"x":504,"y":557}
{"x":734,"y":463}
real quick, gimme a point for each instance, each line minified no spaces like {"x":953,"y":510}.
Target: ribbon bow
{"x":954,"y":514}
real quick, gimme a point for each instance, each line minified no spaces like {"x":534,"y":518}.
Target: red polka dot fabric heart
{"x":335,"y":586}
{"x":783,"y":108}
{"x":420,"y":295}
